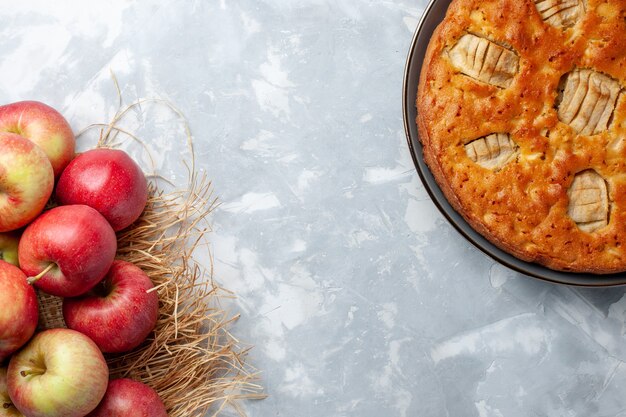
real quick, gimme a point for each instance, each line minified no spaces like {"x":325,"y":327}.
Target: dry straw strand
{"x":191,"y":359}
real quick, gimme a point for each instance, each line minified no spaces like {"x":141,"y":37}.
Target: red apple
{"x":26,"y":181}
{"x":42,"y":125}
{"x":128,"y":398}
{"x":119,"y":313}
{"x":67,"y":250}
{"x":7,"y":409}
{"x":8,"y":248}
{"x":107,"y":180}
{"x":60,"y":373}
{"x":18,"y":310}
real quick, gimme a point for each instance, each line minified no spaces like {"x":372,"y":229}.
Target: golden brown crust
{"x":523,"y":207}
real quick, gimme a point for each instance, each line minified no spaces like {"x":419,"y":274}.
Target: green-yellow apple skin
{"x":8,"y":248}
{"x":59,"y":373}
{"x":44,"y":126}
{"x":26,"y":181}
{"x":7,"y":409}
{"x":19,"y":312}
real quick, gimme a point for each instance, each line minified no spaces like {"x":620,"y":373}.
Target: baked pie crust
{"x":522,"y":117}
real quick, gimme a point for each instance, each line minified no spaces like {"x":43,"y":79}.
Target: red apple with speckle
{"x":118,"y":313}
{"x":67,"y":250}
{"x":128,"y":398}
{"x":18,"y":310}
{"x":107,"y":180}
{"x":42,"y":125}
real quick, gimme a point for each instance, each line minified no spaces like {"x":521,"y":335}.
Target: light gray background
{"x":361,"y":300}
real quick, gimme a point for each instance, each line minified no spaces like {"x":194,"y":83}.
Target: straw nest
{"x":191,"y":359}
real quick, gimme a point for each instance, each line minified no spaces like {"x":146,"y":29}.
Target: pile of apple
{"x":68,"y":251}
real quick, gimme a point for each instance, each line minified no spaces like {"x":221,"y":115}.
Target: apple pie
{"x":522,"y":117}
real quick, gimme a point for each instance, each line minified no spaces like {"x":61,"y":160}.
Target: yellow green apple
{"x":26,"y":181}
{"x":8,"y":248}
{"x":42,"y":125}
{"x":59,"y":373}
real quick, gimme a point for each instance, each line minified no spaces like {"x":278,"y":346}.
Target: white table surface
{"x":358,"y":296}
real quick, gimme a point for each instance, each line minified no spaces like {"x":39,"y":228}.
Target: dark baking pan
{"x":433,"y":15}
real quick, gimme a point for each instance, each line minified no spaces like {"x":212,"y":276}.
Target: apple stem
{"x":32,"y":372}
{"x":32,"y":280}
